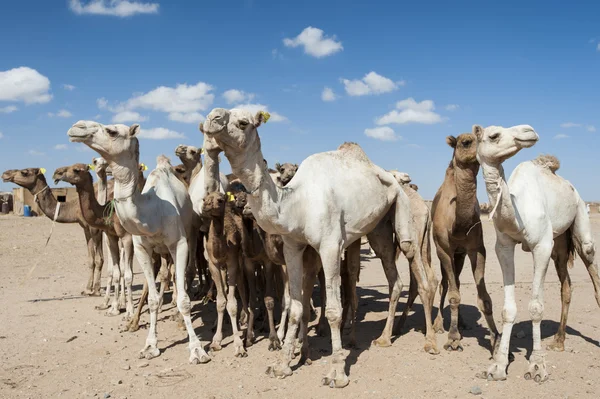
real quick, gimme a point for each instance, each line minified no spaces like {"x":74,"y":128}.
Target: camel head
{"x":188,"y":152}
{"x":101,"y":167}
{"x":214,"y":204}
{"x":234,"y":129}
{"x":26,"y":178}
{"x":414,"y":187}
{"x":286,"y":172}
{"x":77,"y":174}
{"x":401,"y":177}
{"x":495,"y":144}
{"x":113,"y":142}
{"x":180,"y":170}
{"x":465,"y":148}
{"x":240,"y":201}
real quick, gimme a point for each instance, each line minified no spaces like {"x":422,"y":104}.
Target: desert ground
{"x":53,"y":343}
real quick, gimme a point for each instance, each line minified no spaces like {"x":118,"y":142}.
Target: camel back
{"x":547,"y":161}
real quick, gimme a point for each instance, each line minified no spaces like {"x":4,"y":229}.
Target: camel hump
{"x":353,"y":150}
{"x":162,"y":161}
{"x":548,"y":161}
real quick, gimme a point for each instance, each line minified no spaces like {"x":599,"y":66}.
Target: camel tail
{"x":571,"y":248}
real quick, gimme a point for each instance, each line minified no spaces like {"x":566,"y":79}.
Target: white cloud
{"x":191,"y":117}
{"x":561,"y":136}
{"x":160,"y":133}
{"x":410,"y":111}
{"x":102,"y":103}
{"x":1,"y":135}
{"x":590,"y":128}
{"x":328,"y":94}
{"x":237,"y":96}
{"x":63,"y":113}
{"x":568,"y":125}
{"x":372,"y":83}
{"x":315,"y":43}
{"x":128,"y":116}
{"x":60,"y":147}
{"x":68,"y":87}
{"x":452,"y":107}
{"x":117,"y":8}
{"x":24,"y":84}
{"x":8,"y":109}
{"x":383,"y":133}
{"x":35,"y":153}
{"x":254,"y":108}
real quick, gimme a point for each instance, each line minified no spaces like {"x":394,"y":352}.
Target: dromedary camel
{"x":457,"y":233}
{"x":535,"y":208}
{"x":159,"y":217}
{"x":69,"y":212}
{"x":104,"y":218}
{"x":346,"y":203}
{"x":191,"y":158}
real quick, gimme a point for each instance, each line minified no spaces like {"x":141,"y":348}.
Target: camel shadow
{"x":471,"y":316}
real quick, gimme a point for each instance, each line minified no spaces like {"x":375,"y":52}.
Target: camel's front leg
{"x":89,"y":288}
{"x":293,"y":253}
{"x":286,"y":302}
{"x":312,"y":265}
{"x":505,"y":250}
{"x":144,"y":258}
{"x":115,"y":256}
{"x":233,"y":270}
{"x":447,"y":259}
{"x":127,"y":243}
{"x":250,"y":275}
{"x":541,"y":258}
{"x":109,"y":277}
{"x":274,"y":343}
{"x":221,"y":304}
{"x":180,"y":254}
{"x":353,"y":265}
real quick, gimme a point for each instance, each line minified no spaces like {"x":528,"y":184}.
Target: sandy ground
{"x":53,"y":343}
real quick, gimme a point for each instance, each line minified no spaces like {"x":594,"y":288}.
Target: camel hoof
{"x":279,"y":371}
{"x":113,"y":312}
{"x":274,"y":344}
{"x":336,"y":382}
{"x":496,"y":372}
{"x":431,"y":348}
{"x":90,"y":292}
{"x":241,"y":352}
{"x":453,"y":345}
{"x":149,"y":352}
{"x":198,"y":356}
{"x":133,"y":327}
{"x":537,"y":369}
{"x":215,"y":346}
{"x":557,"y":346}
{"x":382,"y":342}
{"x":102,"y":307}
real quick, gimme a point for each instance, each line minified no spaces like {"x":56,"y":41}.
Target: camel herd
{"x":269,"y":234}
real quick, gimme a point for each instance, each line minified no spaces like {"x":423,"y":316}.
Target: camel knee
{"x":269,"y":303}
{"x":296,"y":311}
{"x":232,"y":308}
{"x":184,"y":304}
{"x":509,"y":313}
{"x":454,"y":298}
{"x":152,"y":304}
{"x":536,"y":310}
{"x":588,"y":250}
{"x":485,"y":306}
{"x":408,"y":248}
{"x":334,"y":315}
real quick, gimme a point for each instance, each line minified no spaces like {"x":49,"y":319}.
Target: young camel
{"x":33,"y":180}
{"x":103,"y":218}
{"x":191,"y":159}
{"x":535,"y":208}
{"x":346,"y":203}
{"x":159,"y":217}
{"x":457,"y":233}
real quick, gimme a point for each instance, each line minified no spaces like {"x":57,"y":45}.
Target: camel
{"x":224,"y":247}
{"x":543,"y":212}
{"x":346,"y":203}
{"x":69,"y":212}
{"x":159,"y":217}
{"x":457,"y":233}
{"x":286,"y":172}
{"x":190,"y":156}
{"x":103,"y":218}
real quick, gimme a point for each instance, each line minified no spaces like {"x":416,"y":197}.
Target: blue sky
{"x":405,"y":72}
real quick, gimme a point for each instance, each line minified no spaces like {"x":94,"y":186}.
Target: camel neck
{"x":102,"y":188}
{"x":465,"y":179}
{"x":126,"y":176}
{"x":91,"y":210}
{"x":47,"y":203}
{"x":498,"y":193}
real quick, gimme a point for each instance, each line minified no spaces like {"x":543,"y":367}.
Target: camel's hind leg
{"x":352,"y":262}
{"x":109,"y":278}
{"x":221,"y":305}
{"x":560,"y":256}
{"x":438,"y":324}
{"x":285,"y":304}
{"x":233,"y":270}
{"x":128,"y":272}
{"x":274,"y":343}
{"x":582,"y":232}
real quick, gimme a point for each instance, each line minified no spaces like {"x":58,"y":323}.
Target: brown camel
{"x":457,"y":233}
{"x":224,"y":247}
{"x":104,"y":218}
{"x":33,"y":180}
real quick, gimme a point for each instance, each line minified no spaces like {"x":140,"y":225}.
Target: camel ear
{"x":451,"y":140}
{"x":134,"y":129}
{"x":478,"y":132}
{"x":278,"y":167}
{"x":261,"y":117}
{"x":296,"y":166}
{"x":201,"y":127}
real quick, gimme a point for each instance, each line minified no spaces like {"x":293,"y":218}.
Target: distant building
{"x":22,"y":197}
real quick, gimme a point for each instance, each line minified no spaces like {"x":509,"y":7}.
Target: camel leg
{"x":285,"y":304}
{"x":459,"y":262}
{"x":560,"y":257}
{"x":134,"y":323}
{"x":144,"y":258}
{"x":582,"y":232}
{"x":89,"y":288}
{"x":109,"y":279}
{"x":311,"y":269}
{"x":353,"y":264}
{"x":190,"y":272}
{"x":412,"y":295}
{"x":127,"y":242}
{"x":505,"y":250}
{"x":221,"y":305}
{"x":171,"y":267}
{"x":447,"y":262}
{"x":233,"y":270}
{"x":201,"y":264}
{"x":322,"y":325}
{"x":274,"y":343}
{"x":115,"y":255}
{"x":293,"y":273}
{"x":180,"y":254}
{"x":477,"y":259}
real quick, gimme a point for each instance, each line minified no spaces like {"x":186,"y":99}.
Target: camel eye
{"x":495,"y":136}
{"x":112,"y":133}
{"x":25,"y":173}
{"x":243,"y":124}
{"x":466,"y":143}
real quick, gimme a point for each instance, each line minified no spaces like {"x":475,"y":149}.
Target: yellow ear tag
{"x":144,"y":167}
{"x":201,"y":150}
{"x":92,"y":166}
{"x":230,"y":197}
{"x":42,"y":170}
{"x":265,"y":116}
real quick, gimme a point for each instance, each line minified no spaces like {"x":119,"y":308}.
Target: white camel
{"x":535,"y":207}
{"x":159,"y":217}
{"x":345,"y":203}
